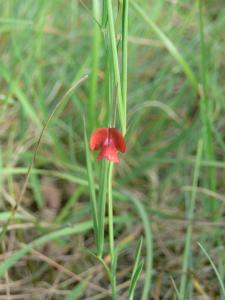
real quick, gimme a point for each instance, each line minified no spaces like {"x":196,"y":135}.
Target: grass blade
{"x":12,"y":260}
{"x":214,"y":268}
{"x":175,"y":288}
{"x":96,"y":50}
{"x":69,"y":204}
{"x":138,"y":265}
{"x":124,"y":54}
{"x":148,"y":240}
{"x":206,"y":111}
{"x":76,"y":292}
{"x":187,"y":249}
{"x":91,"y":188}
{"x":25,"y":104}
{"x":168,"y":44}
{"x":116,"y":65}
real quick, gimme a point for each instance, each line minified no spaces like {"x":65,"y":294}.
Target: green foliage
{"x":155,"y":71}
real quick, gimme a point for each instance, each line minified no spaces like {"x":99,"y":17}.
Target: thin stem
{"x":96,"y":46}
{"x":101,"y":206}
{"x":124,"y":55}
{"x":92,"y":189}
{"x":187,"y":248}
{"x":212,"y":205}
{"x":111,"y":231}
{"x":116,"y":65}
{"x":110,"y":211}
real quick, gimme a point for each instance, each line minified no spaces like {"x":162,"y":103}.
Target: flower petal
{"x":98,"y":138}
{"x":110,"y":153}
{"x":118,"y":139}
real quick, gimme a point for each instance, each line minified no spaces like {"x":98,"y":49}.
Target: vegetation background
{"x":168,"y":188}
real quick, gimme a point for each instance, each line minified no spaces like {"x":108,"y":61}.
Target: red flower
{"x":108,"y":141}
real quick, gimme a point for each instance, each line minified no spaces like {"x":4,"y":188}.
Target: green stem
{"x":116,"y":65}
{"x":111,"y":232}
{"x":101,"y":206}
{"x":206,"y":107}
{"x":96,"y":47}
{"x":124,"y":55}
{"x":187,"y":249}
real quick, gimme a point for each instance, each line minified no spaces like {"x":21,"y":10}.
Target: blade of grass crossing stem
{"x":211,"y":205}
{"x":111,"y":232}
{"x":96,"y":47}
{"x":168,"y":44}
{"x":116,"y":70}
{"x":91,"y":187}
{"x":101,"y":205}
{"x":12,"y":260}
{"x":138,"y":265}
{"x":124,"y":54}
{"x":187,"y":249}
{"x":219,"y":277}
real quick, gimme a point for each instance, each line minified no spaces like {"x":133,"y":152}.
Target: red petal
{"x":118,"y":139}
{"x":98,"y":137}
{"x":110,"y":153}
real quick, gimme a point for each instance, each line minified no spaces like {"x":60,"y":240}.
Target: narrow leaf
{"x":136,"y":270}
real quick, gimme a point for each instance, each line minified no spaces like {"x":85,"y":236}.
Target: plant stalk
{"x":111,"y":232}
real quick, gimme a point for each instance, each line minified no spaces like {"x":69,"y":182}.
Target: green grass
{"x":151,"y":227}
